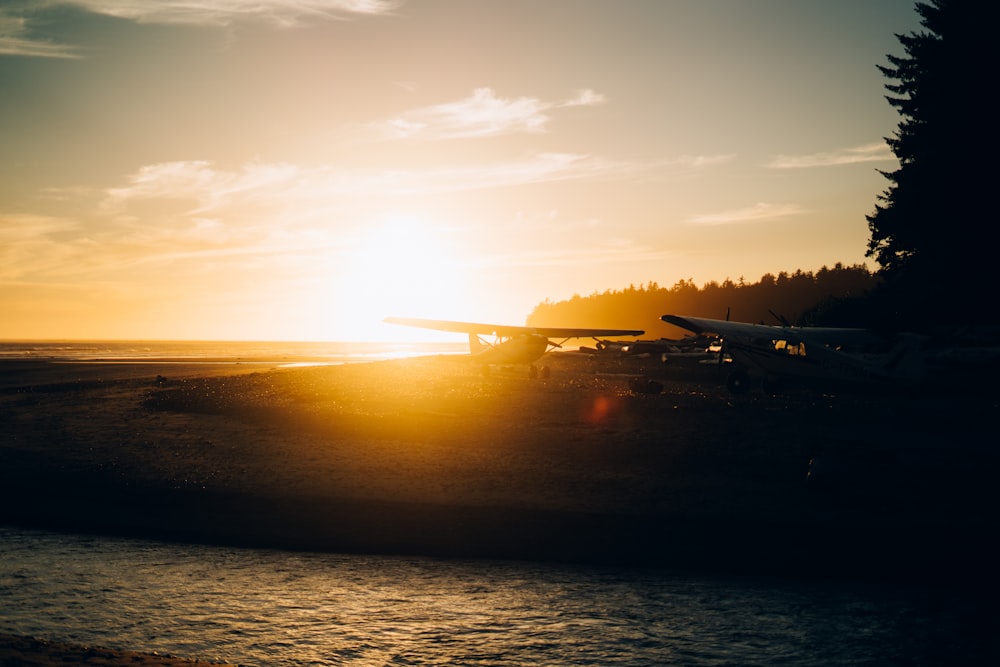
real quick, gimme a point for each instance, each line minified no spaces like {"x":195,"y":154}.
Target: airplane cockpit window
{"x":791,"y":349}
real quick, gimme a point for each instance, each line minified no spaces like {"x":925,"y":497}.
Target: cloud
{"x":479,"y":115}
{"x":408,"y":86}
{"x":583,"y":256}
{"x":700,"y":161}
{"x":140,"y":225}
{"x":35,"y":245}
{"x":482,"y":114}
{"x":270,"y":186}
{"x":282,"y":195}
{"x":15,"y":40}
{"x":585,"y":98}
{"x":197,"y":213}
{"x":285,"y":13}
{"x":760,"y":212}
{"x":198,"y":180}
{"x":537,"y":168}
{"x":874,"y":152}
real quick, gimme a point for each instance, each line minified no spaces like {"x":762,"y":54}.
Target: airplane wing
{"x":509,"y":330}
{"x":831,"y":336}
{"x":700,"y":325}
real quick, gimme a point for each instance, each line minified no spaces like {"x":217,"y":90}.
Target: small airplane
{"x":856,"y":355}
{"x":511,"y":344}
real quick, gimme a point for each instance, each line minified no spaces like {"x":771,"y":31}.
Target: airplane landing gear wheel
{"x":545,"y":372}
{"x":738,"y":382}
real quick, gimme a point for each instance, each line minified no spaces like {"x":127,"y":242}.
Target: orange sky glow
{"x":300,"y":169}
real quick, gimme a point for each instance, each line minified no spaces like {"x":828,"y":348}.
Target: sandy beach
{"x":428,"y":456}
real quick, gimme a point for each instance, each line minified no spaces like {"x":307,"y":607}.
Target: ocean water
{"x":236,"y":351}
{"x":258,"y":607}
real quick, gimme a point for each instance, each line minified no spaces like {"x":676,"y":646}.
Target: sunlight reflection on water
{"x":279,"y":608}
{"x":234,"y":351}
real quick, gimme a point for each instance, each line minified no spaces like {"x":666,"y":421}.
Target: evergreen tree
{"x":931,"y":228}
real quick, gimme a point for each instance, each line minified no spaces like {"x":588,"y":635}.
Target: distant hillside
{"x":800,"y":298}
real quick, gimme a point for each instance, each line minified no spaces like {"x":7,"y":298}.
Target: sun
{"x":401,"y":265}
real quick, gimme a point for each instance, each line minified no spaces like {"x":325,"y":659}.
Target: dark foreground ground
{"x":428,"y":456}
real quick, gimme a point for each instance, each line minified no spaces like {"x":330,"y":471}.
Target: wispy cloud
{"x":36,"y":245}
{"x":479,"y":115}
{"x":874,"y":152}
{"x":15,"y":40}
{"x":198,"y":181}
{"x":702,"y":161}
{"x":759,"y":212}
{"x":209,"y":189}
{"x":279,"y":198}
{"x":174,"y":212}
{"x":585,"y":98}
{"x":284,"y":13}
{"x":482,"y":114}
{"x":570,"y":257}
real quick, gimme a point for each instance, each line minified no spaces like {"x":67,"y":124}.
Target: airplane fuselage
{"x":826,"y":353}
{"x":512,"y":344}
{"x":522,"y":349}
{"x":779,"y":358}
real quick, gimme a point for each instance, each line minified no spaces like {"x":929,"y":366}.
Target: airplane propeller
{"x":781,"y":318}
{"x":722,"y":347}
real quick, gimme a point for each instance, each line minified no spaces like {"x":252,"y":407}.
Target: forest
{"x":800,"y":298}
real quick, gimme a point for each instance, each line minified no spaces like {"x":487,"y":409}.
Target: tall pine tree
{"x":932,"y":230}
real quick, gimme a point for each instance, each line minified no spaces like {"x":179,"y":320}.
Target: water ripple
{"x":279,"y":608}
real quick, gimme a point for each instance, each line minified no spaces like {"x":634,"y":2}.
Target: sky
{"x":301,"y":169}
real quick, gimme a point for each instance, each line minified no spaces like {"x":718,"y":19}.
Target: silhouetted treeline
{"x":804,"y":298}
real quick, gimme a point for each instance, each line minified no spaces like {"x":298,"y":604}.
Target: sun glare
{"x":403,"y":265}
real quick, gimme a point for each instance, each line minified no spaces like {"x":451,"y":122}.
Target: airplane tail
{"x":475,"y":344}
